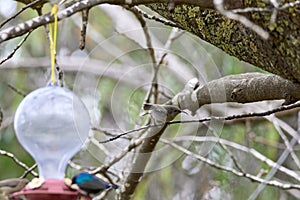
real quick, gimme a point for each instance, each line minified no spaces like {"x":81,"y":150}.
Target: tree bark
{"x":240,"y":88}
{"x":280,"y":54}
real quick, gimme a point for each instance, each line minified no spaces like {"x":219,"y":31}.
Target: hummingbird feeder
{"x":52,"y":124}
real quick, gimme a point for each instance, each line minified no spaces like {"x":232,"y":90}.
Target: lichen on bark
{"x":280,"y":54}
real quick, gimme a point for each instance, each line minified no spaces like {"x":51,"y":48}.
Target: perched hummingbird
{"x":91,"y":184}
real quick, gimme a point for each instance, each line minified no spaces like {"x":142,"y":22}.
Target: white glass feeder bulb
{"x":52,"y":124}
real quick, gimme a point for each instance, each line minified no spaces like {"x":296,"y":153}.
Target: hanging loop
{"x":53,"y":40}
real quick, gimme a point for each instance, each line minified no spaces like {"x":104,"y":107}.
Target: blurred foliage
{"x":118,"y":67}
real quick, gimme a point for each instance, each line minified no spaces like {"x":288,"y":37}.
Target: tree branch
{"x":36,"y":22}
{"x":1,"y":117}
{"x":17,"y":161}
{"x":219,"y":4}
{"x":139,"y":165}
{"x":239,"y":38}
{"x":16,"y":48}
{"x":289,"y":172}
{"x":231,"y":170}
{"x":241,"y":88}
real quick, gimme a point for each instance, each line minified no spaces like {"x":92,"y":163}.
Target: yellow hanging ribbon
{"x":53,"y":40}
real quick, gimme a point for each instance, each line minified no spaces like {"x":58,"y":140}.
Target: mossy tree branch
{"x":280,"y":54}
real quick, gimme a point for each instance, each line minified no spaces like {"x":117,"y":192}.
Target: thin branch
{"x":16,"y":90}
{"x":241,"y":116}
{"x":20,"y":11}
{"x":133,"y":144}
{"x":105,"y":131}
{"x":36,"y":22}
{"x":250,"y":9}
{"x":85,"y":18}
{"x":265,"y":141}
{"x":279,"y":162}
{"x":287,"y":128}
{"x":276,"y":5}
{"x":274,"y":11}
{"x":1,"y":117}
{"x":239,"y":147}
{"x":16,"y":48}
{"x":233,"y":158}
{"x":157,"y":19}
{"x":175,"y":34}
{"x":29,"y":171}
{"x":127,"y":132}
{"x":60,"y":75}
{"x":75,"y":166}
{"x":108,"y":132}
{"x":17,"y":161}
{"x":285,"y":140}
{"x":100,"y":146}
{"x":290,"y":4}
{"x":102,"y":195}
{"x":79,"y":167}
{"x":226,"y":118}
{"x":253,"y":178}
{"x":154,"y":85}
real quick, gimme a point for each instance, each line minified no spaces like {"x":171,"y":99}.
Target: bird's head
{"x":81,"y":177}
{"x":173,"y":111}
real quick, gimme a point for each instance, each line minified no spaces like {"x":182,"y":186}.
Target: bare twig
{"x":29,"y":171}
{"x":227,"y":118}
{"x":60,"y":75}
{"x":250,"y":9}
{"x":85,"y":18}
{"x":175,"y":34}
{"x":231,"y":170}
{"x":285,"y":140}
{"x":16,"y":90}
{"x":290,"y":4}
{"x":34,"y":23}
{"x":127,"y":132}
{"x":279,"y":162}
{"x":133,"y":144}
{"x":16,"y":48}
{"x":1,"y":117}
{"x":239,"y":147}
{"x":20,"y":11}
{"x":273,"y":144}
{"x":102,"y":195}
{"x":108,"y":132}
{"x":241,"y":116}
{"x":100,"y":146}
{"x":233,"y":158}
{"x":158,"y":19}
{"x":75,"y":166}
{"x":154,"y":86}
{"x":17,"y":161}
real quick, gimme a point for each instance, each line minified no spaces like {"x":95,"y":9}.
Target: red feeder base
{"x":51,"y":189}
